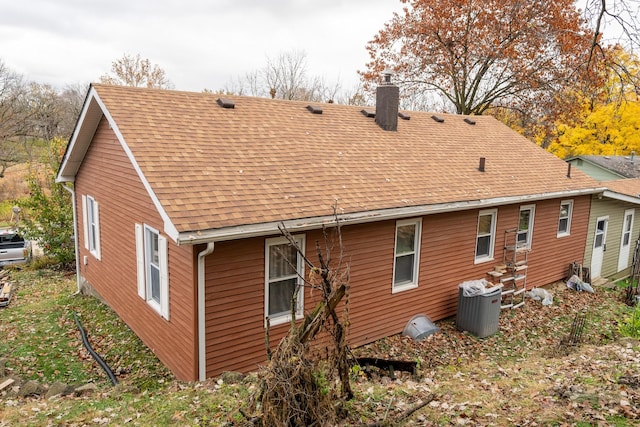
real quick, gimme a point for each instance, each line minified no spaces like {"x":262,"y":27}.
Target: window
{"x":284,"y":271}
{"x":407,"y":254}
{"x":91,"y":225}
{"x":152,"y":261}
{"x":485,"y":235}
{"x":564,"y":222}
{"x":525,"y":226}
{"x":627,"y":227}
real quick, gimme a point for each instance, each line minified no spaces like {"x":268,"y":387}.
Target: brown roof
{"x":628,"y":187}
{"x":270,"y":160}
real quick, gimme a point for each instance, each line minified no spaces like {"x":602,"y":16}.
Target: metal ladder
{"x":515,"y":259}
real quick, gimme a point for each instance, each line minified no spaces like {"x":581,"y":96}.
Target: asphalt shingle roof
{"x":628,"y":186}
{"x":627,"y":166}
{"x":270,"y":160}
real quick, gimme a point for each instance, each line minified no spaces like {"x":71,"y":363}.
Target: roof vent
{"x":368,"y":113}
{"x":314,"y":109}
{"x":226,"y":103}
{"x":404,"y":116}
{"x":437,"y":118}
{"x":469,"y":121}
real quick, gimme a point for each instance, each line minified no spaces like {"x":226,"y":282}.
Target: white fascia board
{"x":622,"y":197}
{"x":304,"y":224}
{"x":169,"y":228}
{"x":66,"y":163}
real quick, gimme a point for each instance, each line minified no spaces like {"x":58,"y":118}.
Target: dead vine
{"x":297,"y":387}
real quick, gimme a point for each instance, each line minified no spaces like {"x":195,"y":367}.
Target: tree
{"x":55,"y":112}
{"x":482,"y":54}
{"x":621,"y":20}
{"x":52,"y":114}
{"x":15,"y":116}
{"x":609,"y":129}
{"x":138,"y":72}
{"x":47,"y":214}
{"x":285,"y":77}
{"x":605,"y":121}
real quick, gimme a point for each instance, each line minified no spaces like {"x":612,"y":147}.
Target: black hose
{"x":95,"y":355}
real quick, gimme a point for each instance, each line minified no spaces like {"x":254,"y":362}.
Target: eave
{"x":305,"y":224}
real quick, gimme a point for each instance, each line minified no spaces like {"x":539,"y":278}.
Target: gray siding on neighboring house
{"x":615,"y":210}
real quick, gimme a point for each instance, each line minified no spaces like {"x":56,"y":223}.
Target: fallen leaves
{"x":519,"y":376}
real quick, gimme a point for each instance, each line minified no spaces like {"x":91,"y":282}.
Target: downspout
{"x":75,"y":233}
{"x":202,"y":345}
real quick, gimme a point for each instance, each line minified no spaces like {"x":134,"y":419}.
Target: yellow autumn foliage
{"x":609,"y":129}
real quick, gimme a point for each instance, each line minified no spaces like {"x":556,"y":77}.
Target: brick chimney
{"x":387,"y":103}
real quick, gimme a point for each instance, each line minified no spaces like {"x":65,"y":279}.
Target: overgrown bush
{"x":5,"y":211}
{"x":630,"y":326}
{"x":47,"y":213}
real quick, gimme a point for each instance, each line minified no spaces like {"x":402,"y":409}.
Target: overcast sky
{"x":199,"y":43}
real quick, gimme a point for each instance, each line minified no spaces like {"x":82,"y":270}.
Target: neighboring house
{"x":178,"y":197}
{"x":606,"y":168}
{"x":613,"y":229}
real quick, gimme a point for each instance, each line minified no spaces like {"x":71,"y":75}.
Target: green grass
{"x":630,"y":325}
{"x":41,"y":340}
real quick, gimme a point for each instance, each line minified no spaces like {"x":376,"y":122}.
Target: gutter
{"x":622,"y":197}
{"x":75,"y":232}
{"x":202,"y":354}
{"x":304,"y":224}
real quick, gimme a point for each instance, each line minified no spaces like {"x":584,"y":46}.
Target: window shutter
{"x":85,"y":218}
{"x":140,"y":261}
{"x":164,"y":276}
{"x":96,"y":217}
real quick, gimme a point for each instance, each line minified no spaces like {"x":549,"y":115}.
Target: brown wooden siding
{"x":235,"y":277}
{"x":550,"y":255}
{"x":123,"y":201}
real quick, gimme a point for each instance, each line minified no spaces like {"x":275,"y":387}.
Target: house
{"x":606,"y":168}
{"x":613,"y":229}
{"x":178,"y":197}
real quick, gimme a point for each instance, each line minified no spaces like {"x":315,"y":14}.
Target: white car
{"x":13,"y":248}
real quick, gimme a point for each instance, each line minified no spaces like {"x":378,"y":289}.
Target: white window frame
{"x":569,"y":216}
{"x":144,"y":235}
{"x":492,"y":236}
{"x":532,"y":214}
{"x":91,"y":225}
{"x":627,"y":233}
{"x":398,"y":287}
{"x":283,"y":318}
